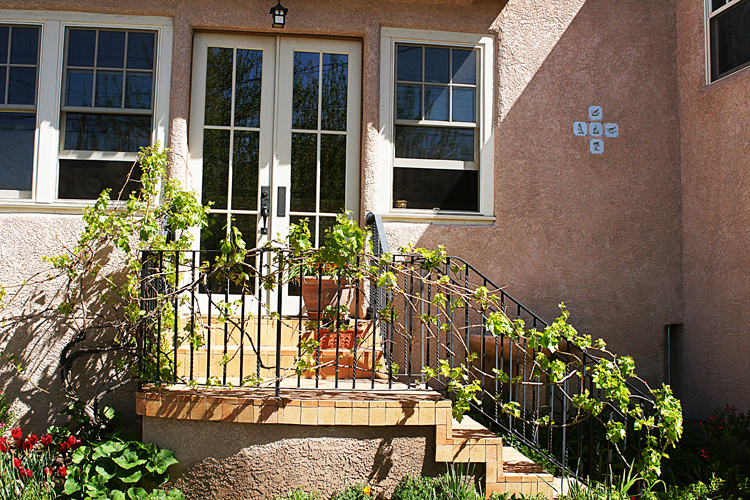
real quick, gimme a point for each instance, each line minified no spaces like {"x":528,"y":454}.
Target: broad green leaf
{"x":133,"y":478}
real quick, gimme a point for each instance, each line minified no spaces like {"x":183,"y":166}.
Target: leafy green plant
{"x":118,"y":470}
{"x":416,"y":488}
{"x":456,"y":484}
{"x":7,"y":418}
{"x":353,"y":491}
{"x":297,"y":494}
{"x":727,"y":450}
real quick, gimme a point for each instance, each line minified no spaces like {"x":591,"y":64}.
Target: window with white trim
{"x":436,"y":122}
{"x":19,"y":61}
{"x":728,"y":37}
{"x":81,"y":94}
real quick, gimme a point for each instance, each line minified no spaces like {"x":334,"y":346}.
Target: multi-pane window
{"x":108,"y":102}
{"x":729,"y":36}
{"x":19,"y":60}
{"x":436,"y":128}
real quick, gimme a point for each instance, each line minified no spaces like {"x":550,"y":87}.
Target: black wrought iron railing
{"x":386,"y":322}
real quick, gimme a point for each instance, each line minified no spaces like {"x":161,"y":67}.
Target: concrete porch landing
{"x":464,"y":442}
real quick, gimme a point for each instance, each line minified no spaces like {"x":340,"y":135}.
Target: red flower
{"x":62,"y":471}
{"x":17,"y":434}
{"x":46,"y":440}
{"x":3,"y":445}
{"x":73,"y":442}
{"x":26,"y":472}
{"x":31,"y":440}
{"x":704,"y":453}
{"x":47,"y":471}
{"x":16,"y":463}
{"x":64,"y":446}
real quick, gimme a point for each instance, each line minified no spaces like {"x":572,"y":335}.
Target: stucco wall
{"x":599,"y":232}
{"x":714,"y":122}
{"x":228,"y":461}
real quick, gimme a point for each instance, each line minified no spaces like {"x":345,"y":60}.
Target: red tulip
{"x":62,"y":471}
{"x":17,"y":434}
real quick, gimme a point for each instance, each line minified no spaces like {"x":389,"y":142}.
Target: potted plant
{"x":333,"y":321}
{"x":330,"y":274}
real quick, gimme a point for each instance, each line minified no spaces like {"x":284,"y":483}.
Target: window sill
{"x":439,"y":218}
{"x":56,"y":207}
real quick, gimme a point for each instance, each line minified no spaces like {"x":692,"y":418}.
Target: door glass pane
{"x":436,"y":65}
{"x":16,"y":150}
{"x":111,"y":48}
{"x":436,"y":188}
{"x":81,"y":48}
{"x":109,"y":89}
{"x":409,"y":63}
{"x":332,"y":172}
{"x":219,"y":86}
{"x":464,"y":101}
{"x":304,"y":172}
{"x":247,"y":224}
{"x":436,"y":101}
{"x":305,"y":93}
{"x":325,"y":223}
{"x":79,"y":88}
{"x":211,"y":237}
{"x":141,"y":50}
{"x":335,"y":72}
{"x":248,"y":84}
{"x":101,"y":132}
{"x":296,"y":219}
{"x":138,"y":90}
{"x":464,"y":66}
{"x":245,"y":170}
{"x":215,"y":167}
{"x":22,"y":85}
{"x":2,"y":85}
{"x":435,"y":143}
{"x":23,"y":49}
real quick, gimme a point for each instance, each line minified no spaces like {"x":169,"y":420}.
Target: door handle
{"x":265,"y":202}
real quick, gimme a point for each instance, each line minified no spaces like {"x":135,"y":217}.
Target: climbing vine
{"x":122,"y":289}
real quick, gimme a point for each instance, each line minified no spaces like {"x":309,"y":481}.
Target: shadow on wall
{"x":600,"y":232}
{"x":37,"y":336}
{"x":255,"y":461}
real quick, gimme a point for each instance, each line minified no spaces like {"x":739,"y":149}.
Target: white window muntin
{"x":484,"y":44}
{"x":714,"y":9}
{"x":49,"y":93}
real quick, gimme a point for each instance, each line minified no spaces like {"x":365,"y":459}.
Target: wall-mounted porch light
{"x":279,"y":15}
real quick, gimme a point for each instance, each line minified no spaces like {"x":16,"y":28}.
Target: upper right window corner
{"x":438,"y":128}
{"x":727,"y":37}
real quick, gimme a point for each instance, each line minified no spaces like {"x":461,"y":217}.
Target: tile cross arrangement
{"x":596,"y":130}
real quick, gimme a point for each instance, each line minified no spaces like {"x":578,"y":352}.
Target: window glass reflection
{"x":17,"y":150}
{"x":305,"y":90}
{"x":335,"y":85}
{"x":435,"y":143}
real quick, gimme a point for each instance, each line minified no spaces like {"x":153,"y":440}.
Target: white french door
{"x":274,"y":136}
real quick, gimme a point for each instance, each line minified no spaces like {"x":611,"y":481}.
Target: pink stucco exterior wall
{"x":602,"y":233}
{"x":715,"y":152}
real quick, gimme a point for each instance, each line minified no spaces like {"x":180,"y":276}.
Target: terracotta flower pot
{"x":327,"y":338}
{"x":328,"y":295}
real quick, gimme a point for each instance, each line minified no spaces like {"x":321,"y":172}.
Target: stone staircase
{"x":466,"y":442}
{"x":330,"y":394}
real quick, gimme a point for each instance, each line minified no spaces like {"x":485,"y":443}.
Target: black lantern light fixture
{"x":279,"y":15}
